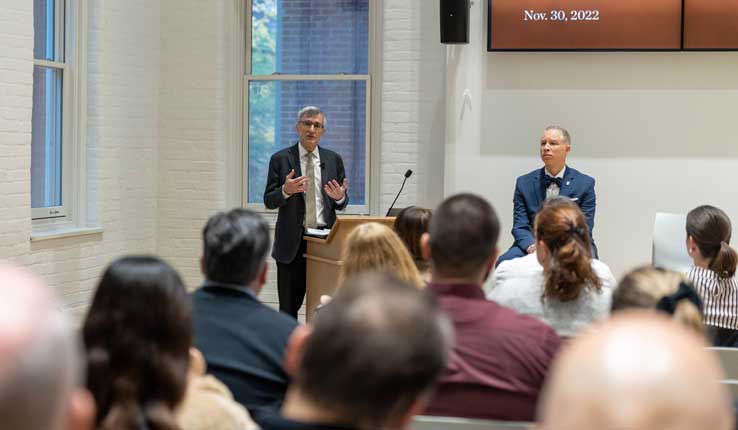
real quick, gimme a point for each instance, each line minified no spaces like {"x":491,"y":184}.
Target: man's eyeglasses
{"x":309,"y":124}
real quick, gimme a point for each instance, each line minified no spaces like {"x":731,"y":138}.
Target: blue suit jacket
{"x":243,"y":342}
{"x":530,"y":192}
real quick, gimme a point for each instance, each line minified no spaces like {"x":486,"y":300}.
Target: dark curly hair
{"x":137,"y":336}
{"x":561,"y":225}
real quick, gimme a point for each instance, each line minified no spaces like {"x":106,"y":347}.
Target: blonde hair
{"x":374,"y":247}
{"x":645,"y":286}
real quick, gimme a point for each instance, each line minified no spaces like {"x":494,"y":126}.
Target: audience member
{"x":654,"y":288}
{"x":501,"y":357}
{"x":242,"y":339}
{"x":636,"y":371}
{"x":137,"y":335}
{"x":410,"y":224}
{"x":553,"y":179}
{"x":39,"y":359}
{"x":370,"y":361}
{"x":560,"y":283}
{"x":374,"y":247}
{"x":137,"y":359}
{"x":713,"y":273}
{"x":208,"y":404}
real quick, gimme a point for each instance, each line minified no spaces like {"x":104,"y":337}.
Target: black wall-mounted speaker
{"x":454,"y":21}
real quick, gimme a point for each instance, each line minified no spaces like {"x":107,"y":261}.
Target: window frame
{"x":371,"y":110}
{"x":70,"y":30}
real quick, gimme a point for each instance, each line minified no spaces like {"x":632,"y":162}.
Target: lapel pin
{"x":567,"y":183}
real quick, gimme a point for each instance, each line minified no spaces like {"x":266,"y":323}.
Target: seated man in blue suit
{"x":554,"y":179}
{"x":243,"y":340}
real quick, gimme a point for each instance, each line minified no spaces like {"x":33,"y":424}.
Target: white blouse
{"x":518,"y":284}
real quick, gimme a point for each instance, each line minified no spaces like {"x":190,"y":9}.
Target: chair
{"x":728,"y":358}
{"x":669,"y":242}
{"x":424,"y":422}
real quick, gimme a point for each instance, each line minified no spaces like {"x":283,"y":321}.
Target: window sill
{"x":60,"y":233}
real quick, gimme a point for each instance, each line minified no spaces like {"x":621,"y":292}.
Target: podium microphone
{"x":407,"y":175}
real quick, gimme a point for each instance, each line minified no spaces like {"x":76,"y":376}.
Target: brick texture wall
{"x":157,"y":147}
{"x":16,"y":92}
{"x":413,"y":103}
{"x":192,"y":129}
{"x":122,"y":137}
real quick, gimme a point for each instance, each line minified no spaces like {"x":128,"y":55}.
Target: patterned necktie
{"x":311,"y":214}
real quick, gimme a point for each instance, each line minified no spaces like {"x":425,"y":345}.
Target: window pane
{"x":46,"y":154}
{"x":273,"y":108}
{"x":44,"y":28}
{"x":310,"y":36}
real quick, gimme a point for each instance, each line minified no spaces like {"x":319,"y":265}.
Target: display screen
{"x":612,"y":24}
{"x":711,"y":24}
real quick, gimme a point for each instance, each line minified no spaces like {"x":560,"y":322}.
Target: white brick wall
{"x":192,"y":153}
{"x":123,"y":92}
{"x":413,"y":103}
{"x":157,"y":146}
{"x":16,"y":92}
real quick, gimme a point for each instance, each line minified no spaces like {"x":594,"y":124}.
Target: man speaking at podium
{"x":554,"y":179}
{"x":307,"y":184}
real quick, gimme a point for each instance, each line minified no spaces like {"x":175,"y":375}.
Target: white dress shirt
{"x":553,"y":189}
{"x":319,"y":206}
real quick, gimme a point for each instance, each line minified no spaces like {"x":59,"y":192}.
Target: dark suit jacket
{"x":530,"y":192}
{"x":289,"y":230}
{"x":243,"y":342}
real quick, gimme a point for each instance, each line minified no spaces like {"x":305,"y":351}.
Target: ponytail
{"x":725,"y":261}
{"x":571,"y":269}
{"x":561,"y":226}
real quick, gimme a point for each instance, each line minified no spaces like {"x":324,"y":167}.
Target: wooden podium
{"x":324,"y":258}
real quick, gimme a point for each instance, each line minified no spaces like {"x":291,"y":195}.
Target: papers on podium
{"x":318,"y":232}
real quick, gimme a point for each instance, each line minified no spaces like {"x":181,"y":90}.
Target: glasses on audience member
{"x":309,"y":124}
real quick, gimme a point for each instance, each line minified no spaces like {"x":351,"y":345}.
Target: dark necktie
{"x":548,"y":180}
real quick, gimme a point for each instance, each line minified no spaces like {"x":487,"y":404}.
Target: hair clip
{"x":670,"y":302}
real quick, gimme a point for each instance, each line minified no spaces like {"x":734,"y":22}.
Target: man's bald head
{"x":38,"y":357}
{"x":637,"y":371}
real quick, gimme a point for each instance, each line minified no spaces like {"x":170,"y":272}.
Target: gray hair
{"x":561,"y":129}
{"x":311,"y":111}
{"x":37,"y":385}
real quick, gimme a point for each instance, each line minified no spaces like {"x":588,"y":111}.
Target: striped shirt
{"x":719,"y":296}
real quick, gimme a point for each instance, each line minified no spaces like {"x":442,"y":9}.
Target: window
{"x":58,"y":107}
{"x":307,"y":52}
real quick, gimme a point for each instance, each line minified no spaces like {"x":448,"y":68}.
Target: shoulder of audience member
{"x":284,"y":320}
{"x":278,"y":319}
{"x":604,"y":273}
{"x":532,"y":338}
{"x":511,"y":324}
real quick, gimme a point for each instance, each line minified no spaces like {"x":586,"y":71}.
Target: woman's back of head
{"x":560,"y":226}
{"x":374,"y":247}
{"x":410,"y":225}
{"x":137,"y":335}
{"x":710,"y":230}
{"x":646,"y":286}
